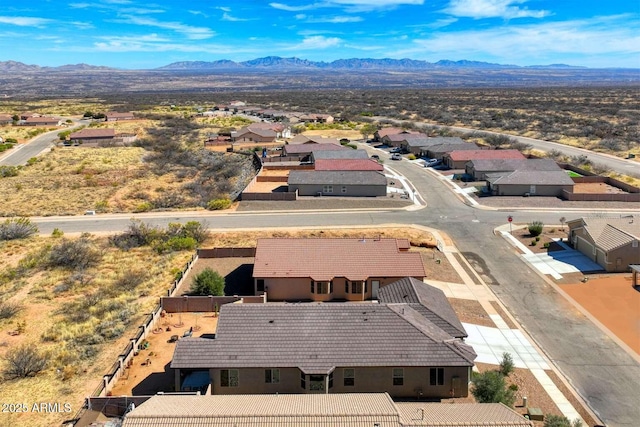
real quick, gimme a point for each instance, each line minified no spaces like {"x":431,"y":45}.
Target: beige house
{"x":301,"y":269}
{"x":308,"y":348}
{"x":316,"y":410}
{"x":610,"y":242}
{"x":254,"y":135}
{"x":114,"y":116}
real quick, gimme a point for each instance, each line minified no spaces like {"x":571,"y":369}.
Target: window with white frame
{"x":228,"y":378}
{"x":272,"y":376}
{"x":321,"y":288}
{"x":356,"y":287}
{"x":398,"y":376}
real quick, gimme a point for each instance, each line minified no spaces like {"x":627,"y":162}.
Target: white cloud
{"x":82,"y":25}
{"x":191,"y":32}
{"x":333,"y":19}
{"x":24,"y":21}
{"x":492,"y":9}
{"x":536,"y":43}
{"x":349,"y":5}
{"x":315,"y":42}
{"x":227,"y":17}
{"x":224,"y":9}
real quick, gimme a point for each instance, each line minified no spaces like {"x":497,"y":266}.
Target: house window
{"x":229,"y":378}
{"x":327,"y":188}
{"x":358,"y":287}
{"x":316,"y":382}
{"x":349,"y":376}
{"x":260,"y":285}
{"x":303,"y":381}
{"x":436,"y":376}
{"x":343,"y":189}
{"x":272,"y":376}
{"x":321,"y":288}
{"x":398,"y":376}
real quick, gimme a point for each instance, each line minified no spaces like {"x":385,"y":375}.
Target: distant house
{"x":316,"y":118}
{"x":349,"y":183}
{"x":313,"y":139}
{"x":317,"y":410}
{"x":345,"y":154}
{"x":381,"y":133}
{"x":114,"y":116}
{"x":347,"y":164}
{"x":613,"y":243}
{"x":479,"y":168}
{"x":254,"y":135}
{"x":529,"y":183}
{"x":351,"y":269}
{"x":6,"y":119}
{"x":459,"y":159}
{"x":27,"y":114}
{"x":281,"y":130}
{"x":400,"y":139}
{"x":303,"y":150}
{"x":40,"y":121}
{"x":437,"y":148}
{"x":328,"y":348}
{"x":96,"y":136}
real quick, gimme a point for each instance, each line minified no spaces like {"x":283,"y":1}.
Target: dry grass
{"x":69,"y":377}
{"x":24,"y":133}
{"x":336,"y":133}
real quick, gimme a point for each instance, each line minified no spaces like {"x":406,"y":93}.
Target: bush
{"x":17,"y":228}
{"x":57,"y":233}
{"x":8,"y":171}
{"x":32,"y":161}
{"x":176,"y":244}
{"x":143,"y":207}
{"x":506,"y":364}
{"x":8,"y":310}
{"x":208,"y":282}
{"x":219,"y":204}
{"x":74,"y":254}
{"x":560,"y":421}
{"x":533,"y":242}
{"x":535,"y":228}
{"x":24,"y":361}
{"x":11,"y":140}
{"x":490,"y":387}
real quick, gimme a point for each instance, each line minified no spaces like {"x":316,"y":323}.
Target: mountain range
{"x":276,"y":62}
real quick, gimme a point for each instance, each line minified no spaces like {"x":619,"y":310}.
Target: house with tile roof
{"x":613,"y":243}
{"x":347,"y":165}
{"x":255,"y":134}
{"x":87,"y":136}
{"x":343,"y":183}
{"x":530,"y":182}
{"x":304,"y":150}
{"x":40,"y":121}
{"x":345,"y":154}
{"x":479,"y":168}
{"x":281,"y":130}
{"x":458,"y":159}
{"x":328,"y":348}
{"x":381,"y":133}
{"x":114,"y":116}
{"x":6,"y":119}
{"x":332,"y":269}
{"x":312,"y":139}
{"x":317,"y":410}
{"x":439,"y":150}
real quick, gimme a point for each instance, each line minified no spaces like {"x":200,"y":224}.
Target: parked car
{"x":396,"y":150}
{"x":396,"y":156}
{"x":376,"y":157}
{"x":431,"y":162}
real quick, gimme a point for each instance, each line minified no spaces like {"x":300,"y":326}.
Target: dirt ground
{"x":614,"y":302}
{"x":149,"y":371}
{"x":547,"y":236}
{"x":268,"y":187}
{"x":596,"y":188}
{"x":470,"y":311}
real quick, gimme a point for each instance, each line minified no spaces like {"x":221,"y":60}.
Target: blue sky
{"x":137,"y":34}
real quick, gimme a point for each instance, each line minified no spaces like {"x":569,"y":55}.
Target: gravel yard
{"x":550,"y":202}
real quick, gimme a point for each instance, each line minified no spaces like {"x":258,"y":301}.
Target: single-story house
{"x":397,"y":139}
{"x":479,"y":168}
{"x":304,"y":348}
{"x":114,"y":116}
{"x":381,"y":133}
{"x":347,"y":164}
{"x":351,"y":269}
{"x":316,"y":118}
{"x":40,"y":121}
{"x":438,"y":151}
{"x":348,"y":183}
{"x":280,"y":129}
{"x":6,"y":119}
{"x":458,"y":159}
{"x":613,"y":243}
{"x":317,"y":410}
{"x":428,"y":300}
{"x":529,"y":183}
{"x":254,"y":135}
{"x":313,"y":139}
{"x":92,"y":136}
{"x":27,"y":114}
{"x":347,"y":153}
{"x":306,"y":149}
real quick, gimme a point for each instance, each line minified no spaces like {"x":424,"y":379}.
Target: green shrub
{"x":546,"y":245}
{"x":560,"y":421}
{"x":490,"y":387}
{"x":74,"y":254}
{"x":11,"y":140}
{"x":535,"y":228}
{"x":17,"y":228}
{"x":32,"y":161}
{"x":506,"y":364}
{"x":175,"y":244}
{"x":101,"y":206}
{"x":7,"y":171}
{"x":208,"y":282}
{"x":219,"y":204}
{"x":537,"y":239}
{"x":144,"y":207}
{"x":533,"y":243}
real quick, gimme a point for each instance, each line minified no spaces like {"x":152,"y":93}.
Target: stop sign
{"x":510,"y":218}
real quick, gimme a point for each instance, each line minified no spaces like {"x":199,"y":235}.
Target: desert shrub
{"x":8,"y":171}
{"x":24,"y":361}
{"x":129,"y":280}
{"x":17,"y":228}
{"x":197,"y":230}
{"x":8,"y":310}
{"x":490,"y":387}
{"x":175,"y":244}
{"x":535,"y":228}
{"x":506,"y":364}
{"x":74,"y":254}
{"x":143,"y":207}
{"x":11,"y":140}
{"x":138,"y":234}
{"x":219,"y":204}
{"x":101,"y":206}
{"x":32,"y":161}
{"x":560,"y":421}
{"x":533,"y":242}
{"x":208,"y":282}
{"x":176,"y":237}
{"x":57,"y":233}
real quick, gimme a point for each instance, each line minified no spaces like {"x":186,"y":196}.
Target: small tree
{"x":24,"y":361}
{"x":506,"y":364}
{"x":535,"y":228}
{"x":490,"y":387}
{"x":562,"y":221}
{"x":208,"y":282}
{"x":560,"y":421}
{"x":368,"y":129}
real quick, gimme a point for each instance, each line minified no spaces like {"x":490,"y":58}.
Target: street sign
{"x":510,"y":218}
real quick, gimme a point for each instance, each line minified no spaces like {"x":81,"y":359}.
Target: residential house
{"x":529,"y":183}
{"x":328,"y":269}
{"x":428,"y":300}
{"x":479,"y":168}
{"x":349,"y":183}
{"x":86,"y":136}
{"x":345,"y":154}
{"x":6,"y":119}
{"x":27,"y":114}
{"x":318,"y":410}
{"x":254,"y":135}
{"x":347,"y":164}
{"x":114,"y":116}
{"x":312,"y":139}
{"x":400,"y":139}
{"x":610,"y":242}
{"x":381,"y":133}
{"x":459,"y":159}
{"x":307,"y":348}
{"x":40,"y":121}
{"x":316,"y":118}
{"x":281,"y":130}
{"x":437,"y":148}
{"x":304,"y":150}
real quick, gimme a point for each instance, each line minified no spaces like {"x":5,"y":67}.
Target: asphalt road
{"x":604,"y":374}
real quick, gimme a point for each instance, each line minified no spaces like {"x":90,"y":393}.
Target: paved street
{"x":604,"y":374}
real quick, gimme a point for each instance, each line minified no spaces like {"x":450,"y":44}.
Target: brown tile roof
{"x":93,"y":133}
{"x":347,"y":165}
{"x":484,"y":154}
{"x":295,"y":335}
{"x":276,"y":127}
{"x":499,"y":165}
{"x":389,"y":131}
{"x":337,"y":177}
{"x":305,"y":139}
{"x":355,"y":259}
{"x":42,"y":119}
{"x":263,"y":132}
{"x":310,"y":148}
{"x":612,"y":233}
{"x":415,"y":414}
